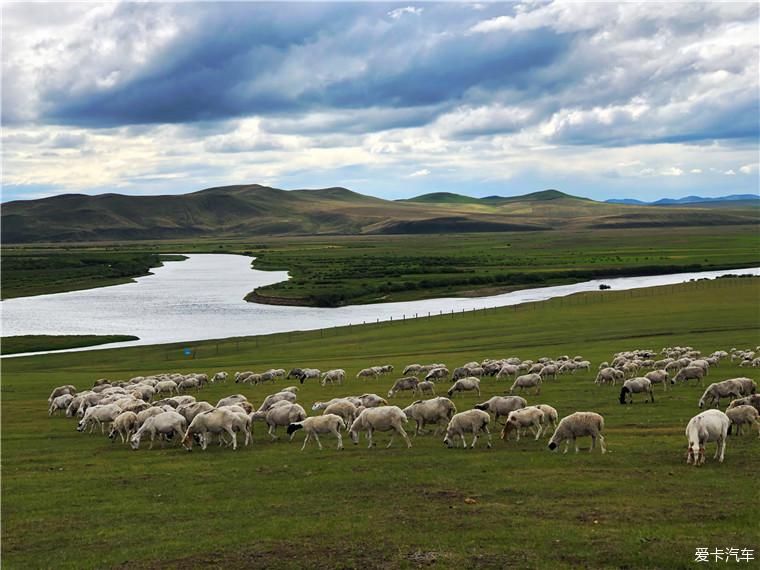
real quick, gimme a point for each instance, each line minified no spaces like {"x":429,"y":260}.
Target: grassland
{"x":79,"y":501}
{"x":41,"y":342}
{"x":335,"y":270}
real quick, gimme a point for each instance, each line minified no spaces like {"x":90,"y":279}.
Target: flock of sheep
{"x":158,"y":406}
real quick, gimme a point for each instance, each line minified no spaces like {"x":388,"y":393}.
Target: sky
{"x":604,"y":100}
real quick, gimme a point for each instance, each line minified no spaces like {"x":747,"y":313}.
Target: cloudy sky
{"x":603,"y":100}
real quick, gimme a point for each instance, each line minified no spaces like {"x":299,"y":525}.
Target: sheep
{"x":61,"y":402}
{"x":550,"y":416}
{"x":343,"y":408}
{"x":707,"y":426}
{"x":465,"y":385}
{"x":384,"y":369}
{"x":274,"y":398}
{"x":166,"y":387}
{"x":234,"y":399}
{"x":636,"y":386}
{"x":124,"y":425}
{"x":406,"y":383}
{"x":548,"y":370}
{"x":531,"y":417}
{"x":507,"y":370}
{"x":218,"y":421}
{"x":134,"y":406}
{"x":577,"y":425}
{"x":219,"y":377}
{"x":282,"y":415}
{"x":658,"y":377}
{"x":145,"y":414}
{"x":316,"y":406}
{"x":690,"y":373}
{"x":426,"y":387}
{"x":412,"y":370}
{"x":748,"y":386}
{"x":99,"y":414}
{"x":527,"y":381}
{"x":437,"y":374}
{"x":368,"y":373}
{"x":718,"y":390}
{"x":61,"y":390}
{"x":293,"y":389}
{"x":460,"y":372}
{"x":740,"y":415}
{"x":611,"y":375}
{"x":333,"y":376}
{"x":384,"y":418}
{"x":189,"y":411}
{"x":167,"y":424}
{"x":188,"y":384}
{"x":502,"y":405}
{"x":431,"y":411}
{"x":307,"y":373}
{"x":372,"y":401}
{"x":241,"y":377}
{"x":471,"y":421}
{"x":753,"y":400}
{"x":315,"y":425}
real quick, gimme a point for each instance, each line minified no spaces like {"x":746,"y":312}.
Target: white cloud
{"x":696,"y":171}
{"x":748,"y":168}
{"x":672,"y":171}
{"x":423,"y":172}
{"x":398,"y":12}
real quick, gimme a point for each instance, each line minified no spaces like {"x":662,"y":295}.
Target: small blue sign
{"x":188,"y":351}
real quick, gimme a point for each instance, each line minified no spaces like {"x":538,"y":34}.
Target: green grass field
{"x":41,"y":342}
{"x":337,"y":270}
{"x":72,"y":500}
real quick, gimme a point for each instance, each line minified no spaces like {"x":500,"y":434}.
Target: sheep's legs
{"x":488,"y":433}
{"x":369,"y":437}
{"x":464,"y":441}
{"x":340,"y":438}
{"x":305,"y":441}
{"x":602,"y":443}
{"x":319,"y":443}
{"x":403,"y":434}
{"x":274,"y":437}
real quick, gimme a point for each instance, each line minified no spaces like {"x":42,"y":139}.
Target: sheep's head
{"x":354,"y":436}
{"x":134,"y":442}
{"x":187,"y":441}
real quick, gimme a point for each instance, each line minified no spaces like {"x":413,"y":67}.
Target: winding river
{"x":202,"y":298}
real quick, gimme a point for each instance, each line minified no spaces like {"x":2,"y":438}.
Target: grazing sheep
{"x":124,"y":425}
{"x":548,"y":370}
{"x":636,"y":386}
{"x":506,"y":371}
{"x":471,"y":421}
{"x":242,"y":377}
{"x":231,"y":400}
{"x":61,"y":402}
{"x":502,"y":405}
{"x":167,"y":424}
{"x":753,"y":400}
{"x":61,"y":390}
{"x":188,"y":384}
{"x":282,"y":415}
{"x":315,"y":425}
{"x":460,"y":372}
{"x":166,"y":387}
{"x":384,"y":418}
{"x":609,"y":375}
{"x":274,"y":398}
{"x":372,"y":401}
{"x":717,"y":390}
{"x":335,"y":376}
{"x":527,"y":381}
{"x":658,"y":377}
{"x":215,"y":422}
{"x":710,"y":425}
{"x":402,"y":384}
{"x":748,"y":386}
{"x":531,"y":417}
{"x":577,"y":425}
{"x":741,"y":415}
{"x":368,"y":373}
{"x":150,"y":412}
{"x":308,"y":373}
{"x":550,"y":416}
{"x":189,"y":411}
{"x":100,"y":415}
{"x":465,"y":385}
{"x":437,"y":374}
{"x":343,"y":408}
{"x":426,"y":387}
{"x":293,"y":389}
{"x":433,"y":411}
{"x":412,"y":370}
{"x":219,"y":377}
{"x":690,"y":373}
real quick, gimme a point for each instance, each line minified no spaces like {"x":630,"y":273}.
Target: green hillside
{"x":254,"y":210}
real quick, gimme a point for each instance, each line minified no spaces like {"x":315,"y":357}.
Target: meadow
{"x":73,"y":500}
{"x":339,"y":270}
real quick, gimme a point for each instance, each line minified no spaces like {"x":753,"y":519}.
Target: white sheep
{"x":343,"y":408}
{"x":550,"y":416}
{"x":166,"y":424}
{"x":717,"y":390}
{"x":335,"y":376}
{"x":690,"y":373}
{"x":384,"y":418}
{"x":753,"y":400}
{"x":433,"y":411}
{"x":710,"y":425}
{"x":372,"y":401}
{"x":124,"y":425}
{"x":465,"y":385}
{"x":274,"y":398}
{"x":100,"y":415}
{"x":426,"y":387}
{"x":633,"y":386}
{"x":748,"y":386}
{"x":316,"y":425}
{"x":61,"y":402}
{"x":215,"y":422}
{"x":437,"y":374}
{"x":530,"y":417}
{"x":412,"y":370}
{"x":402,"y":384}
{"x":527,"y":381}
{"x":234,"y":399}
{"x":576,"y":425}
{"x":61,"y":390}
{"x":219,"y":377}
{"x":502,"y":405}
{"x":471,"y":421}
{"x":741,"y":415}
{"x":658,"y":377}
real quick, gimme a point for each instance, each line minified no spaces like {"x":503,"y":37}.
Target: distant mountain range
{"x":686,"y":200}
{"x":254,"y":210}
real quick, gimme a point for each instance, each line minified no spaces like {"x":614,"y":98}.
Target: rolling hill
{"x":251,"y":210}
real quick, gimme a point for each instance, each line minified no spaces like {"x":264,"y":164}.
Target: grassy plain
{"x":42,"y":342}
{"x":334,"y":270}
{"x":72,"y":500}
